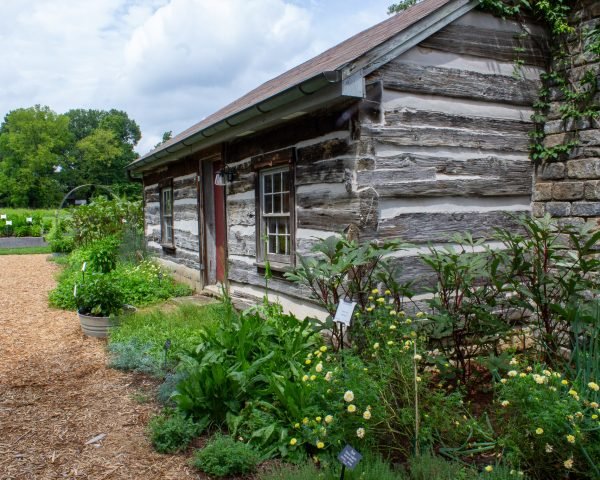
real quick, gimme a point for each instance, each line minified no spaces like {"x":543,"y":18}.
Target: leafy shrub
{"x":98,"y":295}
{"x":168,"y":387}
{"x":223,"y":456}
{"x":59,"y":238}
{"x":103,"y":218}
{"x":171,"y":431}
{"x":549,"y":423}
{"x":102,"y":255}
{"x":24,"y":223}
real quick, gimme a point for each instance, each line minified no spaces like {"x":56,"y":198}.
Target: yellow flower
{"x":408,"y":321}
{"x":328,"y":419}
{"x":388,"y":292}
{"x":319,"y":367}
{"x":503,"y":380}
{"x":420,"y":315}
{"x":505,"y":403}
{"x":293,"y":441}
{"x":313,"y":378}
{"x":360,"y":433}
{"x":594,"y":405}
{"x":594,"y":386}
{"x":564,"y":382}
{"x":370,"y":298}
{"x":375,"y":291}
{"x":349,"y":396}
{"x":369,"y":309}
{"x":418,"y":379}
{"x":413,"y":334}
{"x":512,"y":373}
{"x":381,"y":299}
{"x":323,"y":348}
{"x":328,"y":376}
{"x":296,"y":425}
{"x":367,"y":415}
{"x":393,"y":313}
{"x":568,"y":463}
{"x":571,"y":438}
{"x":305,"y":420}
{"x":308,"y":361}
{"x":513,"y":361}
{"x":351,"y":408}
{"x":594,"y":416}
{"x":390,"y":342}
{"x":522,"y":374}
{"x":318,"y":419}
{"x":320,"y":444}
{"x":376,"y":345}
{"x":392,"y":327}
{"x":305,"y":378}
{"x":539,"y":431}
{"x":417,"y":357}
{"x":489,"y":468}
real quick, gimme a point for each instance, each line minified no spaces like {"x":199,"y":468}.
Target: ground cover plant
{"x":25,"y":250}
{"x":396,"y":389}
{"x":25,"y":223}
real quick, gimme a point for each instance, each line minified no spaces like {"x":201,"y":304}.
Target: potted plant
{"x":99,"y":303}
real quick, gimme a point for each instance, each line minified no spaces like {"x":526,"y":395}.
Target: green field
{"x":24,"y":250}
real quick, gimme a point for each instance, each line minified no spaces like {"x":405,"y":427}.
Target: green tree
{"x":32,"y":145}
{"x":401,"y":6}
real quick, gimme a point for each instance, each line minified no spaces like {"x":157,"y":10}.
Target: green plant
{"x":467,"y":318}
{"x":172,"y":431}
{"x":340,"y":268}
{"x":547,"y":422}
{"x":551,"y":269}
{"x":59,"y":237}
{"x":223,"y":456}
{"x":102,"y":254}
{"x":98,"y":295}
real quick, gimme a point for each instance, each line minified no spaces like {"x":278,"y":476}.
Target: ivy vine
{"x":576,"y":95}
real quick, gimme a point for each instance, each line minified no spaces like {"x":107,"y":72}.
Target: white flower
{"x":328,"y":376}
{"x":367,"y":415}
{"x":349,"y":396}
{"x":319,"y":367}
{"x":512,"y":373}
{"x":360,"y":433}
{"x":417,"y":357}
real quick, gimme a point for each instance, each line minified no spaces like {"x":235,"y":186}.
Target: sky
{"x":167,"y":63}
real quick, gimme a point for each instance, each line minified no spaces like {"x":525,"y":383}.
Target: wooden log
{"x":451,"y":82}
{"x":335,"y":147}
{"x":498,"y":45}
{"x":325,"y":171}
{"x":491,"y":165}
{"x":241,"y":212}
{"x":438,"y":227}
{"x":449,"y":137}
{"x":404,"y":117}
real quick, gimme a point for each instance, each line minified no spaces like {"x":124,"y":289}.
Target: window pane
{"x":268,"y":186}
{"x":286,"y":203}
{"x":268,"y":208}
{"x":277,"y":182}
{"x":277,"y":203}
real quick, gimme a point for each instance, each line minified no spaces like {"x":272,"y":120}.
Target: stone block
{"x":538,"y":209}
{"x":592,"y":190}
{"x":584,"y":168}
{"x":586,"y":209}
{"x":554,"y":126}
{"x":567,"y":191}
{"x":552,"y":171}
{"x":590,"y":138}
{"x":542,"y":192}
{"x":554,"y":140}
{"x":558,"y":209}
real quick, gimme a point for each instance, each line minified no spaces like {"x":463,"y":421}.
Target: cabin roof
{"x":331,"y":61}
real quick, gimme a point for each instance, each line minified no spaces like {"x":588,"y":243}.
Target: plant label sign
{"x":8,"y":222}
{"x":3,"y":216}
{"x":29,"y":219}
{"x":349,"y":457}
{"x":344,"y":312}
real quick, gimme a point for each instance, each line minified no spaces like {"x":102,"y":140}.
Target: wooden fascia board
{"x":409,"y":38}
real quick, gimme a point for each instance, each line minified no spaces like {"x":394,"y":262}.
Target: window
{"x":276,"y":214}
{"x":166,"y":215}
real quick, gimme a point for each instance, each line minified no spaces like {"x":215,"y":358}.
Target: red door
{"x":220,"y":233}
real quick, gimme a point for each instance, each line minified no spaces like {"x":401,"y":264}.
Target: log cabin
{"x":416,"y":128}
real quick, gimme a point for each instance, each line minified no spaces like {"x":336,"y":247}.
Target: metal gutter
{"x":293,"y":94}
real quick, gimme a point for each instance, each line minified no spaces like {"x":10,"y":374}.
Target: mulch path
{"x":56,"y":393}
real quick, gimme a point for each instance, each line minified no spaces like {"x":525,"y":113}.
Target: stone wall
{"x":570,"y":188}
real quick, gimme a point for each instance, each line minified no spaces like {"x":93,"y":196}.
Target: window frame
{"x":165,"y":243}
{"x":264,"y":165}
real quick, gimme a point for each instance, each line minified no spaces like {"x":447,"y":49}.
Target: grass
{"x":47,"y":214}
{"x":24,"y":250}
{"x":138,"y":342}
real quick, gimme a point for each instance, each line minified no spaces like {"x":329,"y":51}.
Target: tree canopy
{"x":43,"y":154}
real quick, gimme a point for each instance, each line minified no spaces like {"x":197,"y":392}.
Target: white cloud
{"x":168,"y":63}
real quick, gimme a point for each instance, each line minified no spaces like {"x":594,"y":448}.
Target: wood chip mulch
{"x":63,"y":413}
